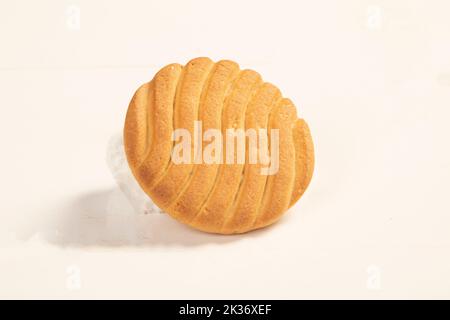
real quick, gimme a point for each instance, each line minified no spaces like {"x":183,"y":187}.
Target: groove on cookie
{"x":243,"y":211}
{"x":219,"y":197}
{"x":159,"y":155}
{"x":195,"y":193}
{"x":279,"y":187}
{"x":185,"y":114}
{"x":304,"y":159}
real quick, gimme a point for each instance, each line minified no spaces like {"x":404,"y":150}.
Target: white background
{"x":372,"y":78}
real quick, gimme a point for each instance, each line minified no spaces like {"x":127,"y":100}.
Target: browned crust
{"x":136,"y":131}
{"x":278,"y":189}
{"x":219,"y":198}
{"x":211,"y":216}
{"x":243,"y":212}
{"x":195,"y":193}
{"x":304,"y":159}
{"x":157,"y":157}
{"x":186,"y":112}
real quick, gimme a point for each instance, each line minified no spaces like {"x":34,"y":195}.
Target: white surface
{"x":371,"y":77}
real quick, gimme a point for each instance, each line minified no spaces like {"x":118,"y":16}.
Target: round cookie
{"x":231,"y":195}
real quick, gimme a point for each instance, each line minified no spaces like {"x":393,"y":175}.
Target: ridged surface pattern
{"x":219,"y":197}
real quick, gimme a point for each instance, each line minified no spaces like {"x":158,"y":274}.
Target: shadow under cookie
{"x":106,"y":219}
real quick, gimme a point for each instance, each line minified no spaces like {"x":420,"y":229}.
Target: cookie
{"x":249,"y":158}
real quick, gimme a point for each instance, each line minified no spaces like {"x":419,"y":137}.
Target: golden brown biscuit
{"x":230,"y":196}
